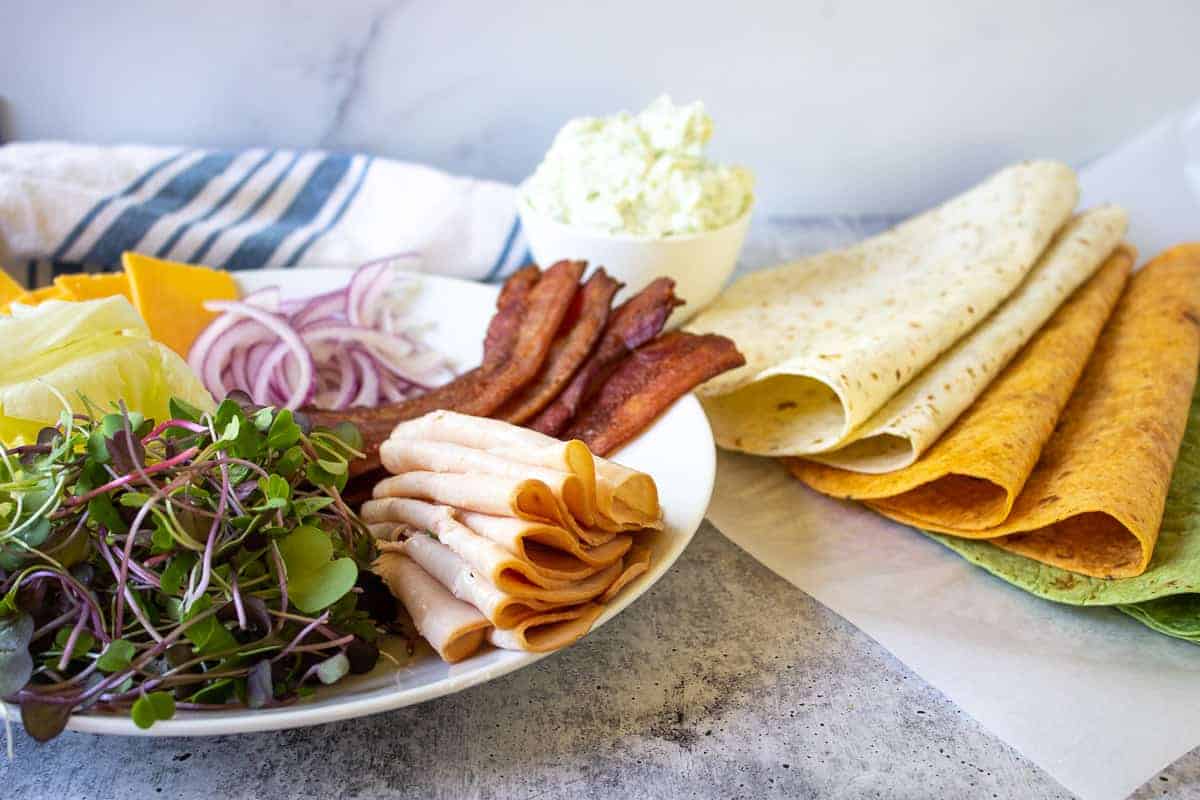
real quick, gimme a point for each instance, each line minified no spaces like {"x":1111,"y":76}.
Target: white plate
{"x":677,"y":450}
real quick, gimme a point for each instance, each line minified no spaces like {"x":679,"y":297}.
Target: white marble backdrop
{"x":838,"y":105}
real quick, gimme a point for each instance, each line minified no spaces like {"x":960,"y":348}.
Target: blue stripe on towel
{"x":132,"y":224}
{"x":210,"y":240}
{"x":82,"y":225}
{"x":182,"y":230}
{"x":256,"y":249}
{"x":300,"y":251}
{"x":508,"y":243}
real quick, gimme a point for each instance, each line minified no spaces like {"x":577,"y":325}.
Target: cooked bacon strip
{"x":568,"y":353}
{"x":646,"y":383}
{"x":635,"y":322}
{"x":513,"y":356}
{"x":510,"y":307}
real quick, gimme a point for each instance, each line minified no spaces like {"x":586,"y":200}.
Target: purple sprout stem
{"x":327,"y":631}
{"x":126,"y":594}
{"x":237,"y":600}
{"x":138,"y":467}
{"x":154,"y":652}
{"x":65,"y":659}
{"x":341,"y":642}
{"x":123,"y":575}
{"x":174,"y":461}
{"x":299,"y":637}
{"x":281,"y":572}
{"x":173,"y":423}
{"x":144,"y":575}
{"x":57,"y":622}
{"x":211,"y":544}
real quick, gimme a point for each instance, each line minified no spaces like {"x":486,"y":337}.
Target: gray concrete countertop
{"x":723,"y":681}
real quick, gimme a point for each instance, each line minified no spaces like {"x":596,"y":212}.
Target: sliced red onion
{"x":337,"y":349}
{"x":369,"y":284}
{"x":305,"y":369}
{"x":368,"y":393}
{"x":267,"y":299}
{"x":214,"y":360}
{"x":330,"y":305}
{"x":264,"y":390}
{"x":348,"y":382}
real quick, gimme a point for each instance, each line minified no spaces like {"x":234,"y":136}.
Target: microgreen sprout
{"x":204,"y":562}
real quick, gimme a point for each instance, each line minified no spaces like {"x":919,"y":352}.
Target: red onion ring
{"x":337,"y":349}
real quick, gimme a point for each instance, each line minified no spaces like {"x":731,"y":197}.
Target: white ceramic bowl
{"x":700,"y":263}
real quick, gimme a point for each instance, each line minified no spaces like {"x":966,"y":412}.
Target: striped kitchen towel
{"x":70,"y":207}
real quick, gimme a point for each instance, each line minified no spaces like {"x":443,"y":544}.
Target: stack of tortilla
{"x":492,"y":532}
{"x":990,"y":372}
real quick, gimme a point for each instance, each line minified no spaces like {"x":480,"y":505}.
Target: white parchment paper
{"x":1098,"y":701}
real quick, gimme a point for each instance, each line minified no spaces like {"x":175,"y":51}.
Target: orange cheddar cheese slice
{"x":9,"y":288}
{"x":170,"y":297}
{"x":82,"y":286}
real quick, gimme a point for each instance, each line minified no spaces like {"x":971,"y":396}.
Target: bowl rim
{"x":523,"y":209}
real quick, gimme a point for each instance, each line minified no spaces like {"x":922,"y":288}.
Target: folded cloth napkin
{"x":70,"y":207}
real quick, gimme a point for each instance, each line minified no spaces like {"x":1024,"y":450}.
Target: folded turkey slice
{"x":453,"y":628}
{"x":490,"y":494}
{"x":635,"y":564}
{"x":545,"y":632}
{"x":494,"y":564}
{"x":501,"y":609}
{"x":555,"y":551}
{"x":412,"y":455}
{"x":625,"y":499}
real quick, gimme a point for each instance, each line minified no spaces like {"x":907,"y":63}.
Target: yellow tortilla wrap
{"x":830,"y":339}
{"x":969,"y":480}
{"x":1095,"y":500}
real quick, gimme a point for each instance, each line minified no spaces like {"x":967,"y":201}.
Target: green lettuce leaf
{"x":98,"y":349}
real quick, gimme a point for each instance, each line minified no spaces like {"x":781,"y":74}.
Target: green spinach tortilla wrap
{"x":830,"y":339}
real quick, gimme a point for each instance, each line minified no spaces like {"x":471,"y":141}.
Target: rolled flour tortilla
{"x":625,"y":499}
{"x":453,"y":628}
{"x":912,"y":420}
{"x":970,"y":478}
{"x":828,"y":340}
